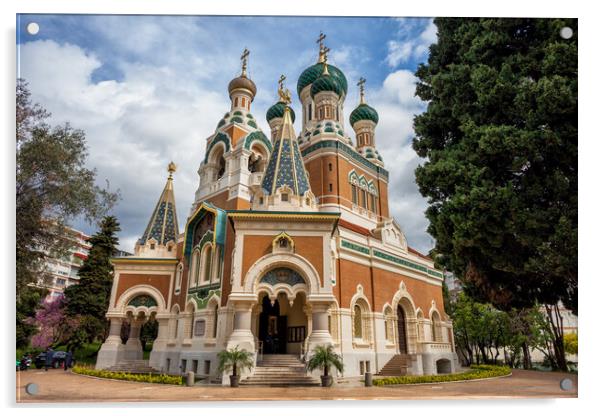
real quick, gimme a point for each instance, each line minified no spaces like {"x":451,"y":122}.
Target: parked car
{"x":24,"y":363}
{"x":58,"y":359}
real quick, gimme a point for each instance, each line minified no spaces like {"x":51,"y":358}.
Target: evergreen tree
{"x":89,"y":300}
{"x":500,"y":141}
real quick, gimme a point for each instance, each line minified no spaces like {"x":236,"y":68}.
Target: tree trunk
{"x":234,"y":370}
{"x":527,"y":364}
{"x":555,"y":322}
{"x":325,"y":371}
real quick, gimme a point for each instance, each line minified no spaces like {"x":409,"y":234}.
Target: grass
{"x":143,"y":378}
{"x":476,"y":372}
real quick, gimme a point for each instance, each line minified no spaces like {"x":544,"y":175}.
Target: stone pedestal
{"x":157,"y":355}
{"x":319,"y":334}
{"x":112,"y":350}
{"x":133,"y":346}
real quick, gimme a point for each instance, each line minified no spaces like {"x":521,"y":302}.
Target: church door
{"x":401,"y":330}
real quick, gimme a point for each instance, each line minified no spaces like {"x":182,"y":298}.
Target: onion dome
{"x":326,"y":82}
{"x":363,"y":112}
{"x":277,"y":111}
{"x":242,"y":82}
{"x":314,"y":72}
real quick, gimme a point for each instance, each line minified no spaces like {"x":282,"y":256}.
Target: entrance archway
{"x":282,"y":324}
{"x":401,"y":331}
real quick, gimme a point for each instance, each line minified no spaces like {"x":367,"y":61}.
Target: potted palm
{"x":324,"y":357}
{"x":234,"y":359}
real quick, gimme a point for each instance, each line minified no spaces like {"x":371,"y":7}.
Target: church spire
{"x":162,"y":229}
{"x":285,"y":167}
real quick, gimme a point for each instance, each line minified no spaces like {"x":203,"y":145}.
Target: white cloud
{"x":409,"y":46}
{"x":133,"y":127}
{"x":397,"y":106}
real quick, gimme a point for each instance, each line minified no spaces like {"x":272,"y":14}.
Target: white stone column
{"x":133,"y":346}
{"x":157,"y":355}
{"x":242,"y":336}
{"x":112,"y":350}
{"x":319,"y":334}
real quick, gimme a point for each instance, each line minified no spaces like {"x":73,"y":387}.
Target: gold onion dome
{"x":242,"y":82}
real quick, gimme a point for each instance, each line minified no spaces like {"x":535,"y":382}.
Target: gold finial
{"x":244,"y":58}
{"x":171,"y":168}
{"x":325,"y":60}
{"x":320,"y":42}
{"x":360,"y":84}
{"x":284,"y":93}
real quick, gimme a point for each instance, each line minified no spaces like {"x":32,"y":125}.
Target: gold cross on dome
{"x":360,"y":84}
{"x":285,"y":94}
{"x":325,"y":54}
{"x":320,"y":42}
{"x":244,"y":58}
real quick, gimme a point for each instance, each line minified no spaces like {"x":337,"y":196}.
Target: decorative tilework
{"x":219,"y":137}
{"x":282,"y":275}
{"x":257,"y":136}
{"x":390,"y":257}
{"x":329,"y":144}
{"x":143,"y":300}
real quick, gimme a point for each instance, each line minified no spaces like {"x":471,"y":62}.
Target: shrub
{"x":475,"y":372}
{"x":142,"y":378}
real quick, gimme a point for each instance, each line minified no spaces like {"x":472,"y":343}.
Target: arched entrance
{"x":282,"y":324}
{"x":401,"y":330}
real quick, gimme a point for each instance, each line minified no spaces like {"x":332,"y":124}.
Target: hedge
{"x":143,"y":378}
{"x":475,"y":372}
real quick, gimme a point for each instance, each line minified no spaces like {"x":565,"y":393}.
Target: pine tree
{"x":500,"y":141}
{"x":89,"y":300}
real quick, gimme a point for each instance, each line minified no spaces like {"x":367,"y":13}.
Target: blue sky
{"x":150,"y":89}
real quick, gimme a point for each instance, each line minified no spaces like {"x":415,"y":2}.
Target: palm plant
{"x":324,"y":357}
{"x":235,"y":359}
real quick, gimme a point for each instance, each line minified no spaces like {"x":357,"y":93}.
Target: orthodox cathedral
{"x":289,"y":244}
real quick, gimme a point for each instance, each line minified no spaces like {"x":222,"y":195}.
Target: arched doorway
{"x":401,"y":330}
{"x":282,"y":326}
{"x":272,"y":327}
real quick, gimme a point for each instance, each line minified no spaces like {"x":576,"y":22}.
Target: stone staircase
{"x":280,"y":370}
{"x":134,"y":367}
{"x":396,"y":366}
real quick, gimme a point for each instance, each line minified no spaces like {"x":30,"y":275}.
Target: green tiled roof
{"x":277,"y":111}
{"x":363,"y":112}
{"x":312,"y":73}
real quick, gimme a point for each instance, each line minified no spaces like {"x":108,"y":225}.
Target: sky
{"x":150,"y":89}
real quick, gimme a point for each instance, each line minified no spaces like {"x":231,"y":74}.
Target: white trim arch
{"x":132,"y":292}
{"x":289,"y":260}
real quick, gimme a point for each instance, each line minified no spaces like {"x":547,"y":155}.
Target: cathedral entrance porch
{"x":281,"y":325}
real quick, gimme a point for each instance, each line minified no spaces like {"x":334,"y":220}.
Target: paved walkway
{"x":58,"y":386}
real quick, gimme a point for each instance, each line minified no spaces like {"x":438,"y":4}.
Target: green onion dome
{"x":314,"y":72}
{"x":326,"y":82}
{"x":363,"y":112}
{"x":277,"y":111}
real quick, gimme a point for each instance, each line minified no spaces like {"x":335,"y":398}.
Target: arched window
{"x":179,"y":272}
{"x":215,"y":310}
{"x":244,"y":102}
{"x":309,"y":112}
{"x":436,"y":327}
{"x":236,"y":102}
{"x":419,"y":319}
{"x":363,"y":195}
{"x":206,"y":263}
{"x":389,"y":320}
{"x":357,"y":322}
{"x":354,"y":194}
{"x":194,"y":268}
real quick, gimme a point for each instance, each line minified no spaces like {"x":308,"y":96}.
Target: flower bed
{"x":144,"y":378}
{"x":475,"y":372}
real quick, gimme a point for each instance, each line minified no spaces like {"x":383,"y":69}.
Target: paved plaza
{"x":58,"y":386}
